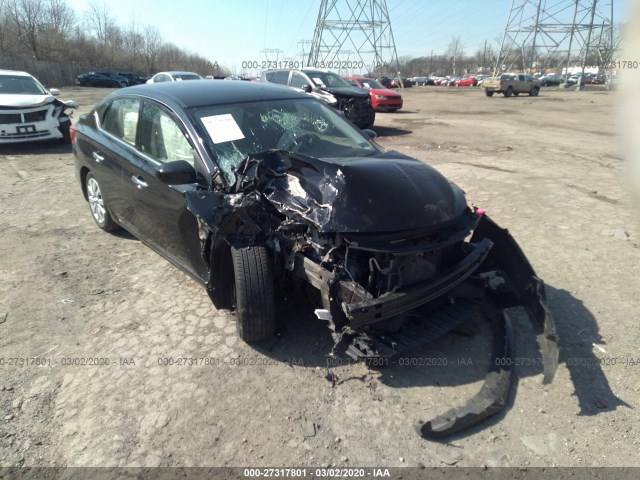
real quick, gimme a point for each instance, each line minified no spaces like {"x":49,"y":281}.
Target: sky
{"x":233,"y":33}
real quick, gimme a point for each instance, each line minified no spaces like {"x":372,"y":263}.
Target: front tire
{"x":534,"y":92}
{"x":99,"y":210}
{"x":254,"y":297}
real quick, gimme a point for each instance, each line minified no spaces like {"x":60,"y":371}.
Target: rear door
{"x":109,"y":150}
{"x":523,"y":85}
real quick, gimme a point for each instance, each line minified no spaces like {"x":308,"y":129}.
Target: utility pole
{"x":303,"y":44}
{"x":484,"y":56}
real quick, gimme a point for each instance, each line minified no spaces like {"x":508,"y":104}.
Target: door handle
{"x":97,"y":157}
{"x":139,"y":181}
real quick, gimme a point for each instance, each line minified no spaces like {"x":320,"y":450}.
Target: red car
{"x":382,"y":99}
{"x":467,"y":82}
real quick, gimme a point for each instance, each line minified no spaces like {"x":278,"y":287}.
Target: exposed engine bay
{"x":382,"y":291}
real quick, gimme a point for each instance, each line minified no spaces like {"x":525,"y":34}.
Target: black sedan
{"x":259,"y":192}
{"x":100,"y":80}
{"x":551,"y":79}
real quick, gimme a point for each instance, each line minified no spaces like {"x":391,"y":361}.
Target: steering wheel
{"x":289,"y":142}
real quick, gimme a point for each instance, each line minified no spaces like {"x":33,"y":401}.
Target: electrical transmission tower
{"x":359,"y":28}
{"x":553,"y":34}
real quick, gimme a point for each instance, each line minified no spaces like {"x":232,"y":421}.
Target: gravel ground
{"x":548,"y":168}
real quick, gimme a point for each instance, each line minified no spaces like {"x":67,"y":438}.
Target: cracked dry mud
{"x":547,"y":168}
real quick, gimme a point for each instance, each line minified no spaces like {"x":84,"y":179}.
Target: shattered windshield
{"x":20,"y":85}
{"x":307,"y":127}
{"x":327,"y":79}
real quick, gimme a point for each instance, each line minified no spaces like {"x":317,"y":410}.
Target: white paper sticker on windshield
{"x":222,"y":128}
{"x":318,"y":81}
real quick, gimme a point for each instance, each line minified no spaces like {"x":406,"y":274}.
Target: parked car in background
{"x":123,"y":81}
{"x":329,"y":87}
{"x":384,"y":81}
{"x":594,"y":80}
{"x":133,"y":78}
{"x":28,"y":111}
{"x":551,"y":80}
{"x":161,"y":77}
{"x":382,"y":99}
{"x":93,"y":79}
{"x":421,"y":81}
{"x":406,"y":83}
{"x":261,"y":193}
{"x":466,"y":82}
{"x":480,"y":79}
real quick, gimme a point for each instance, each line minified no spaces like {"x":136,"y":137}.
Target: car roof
{"x":212,"y":92}
{"x":177,"y":72}
{"x":15,"y":72}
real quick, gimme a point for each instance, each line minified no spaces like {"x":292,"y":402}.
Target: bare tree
{"x":99,"y":22}
{"x":28,"y":18}
{"x":60,"y":23}
{"x":455,"y":51}
{"x":4,"y":28}
{"x":133,"y":41}
{"x":152,"y":45}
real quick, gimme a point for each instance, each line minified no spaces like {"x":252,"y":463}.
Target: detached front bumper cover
{"x":523,"y":288}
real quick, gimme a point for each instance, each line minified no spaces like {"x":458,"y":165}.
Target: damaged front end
{"x":395,"y":257}
{"x":25,"y":118}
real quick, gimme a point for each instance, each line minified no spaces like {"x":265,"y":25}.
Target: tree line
{"x":50,"y":31}
{"x":455,"y":61}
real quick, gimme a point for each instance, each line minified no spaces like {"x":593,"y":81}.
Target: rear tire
{"x":99,"y":210}
{"x":508,"y":92}
{"x":488,"y":93}
{"x":254,"y":297}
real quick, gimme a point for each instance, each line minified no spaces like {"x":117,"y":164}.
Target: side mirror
{"x":179,"y":172}
{"x":307,"y":88}
{"x":369,"y":133}
{"x":54,"y":91}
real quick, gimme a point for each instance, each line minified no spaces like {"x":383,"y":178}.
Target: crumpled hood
{"x":25,"y":101}
{"x":384,"y":193}
{"x":348,"y":91}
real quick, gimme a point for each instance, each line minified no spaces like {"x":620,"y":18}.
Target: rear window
{"x":278,"y":77}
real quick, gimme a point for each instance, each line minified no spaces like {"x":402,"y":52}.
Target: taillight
{"x":501,"y":82}
{"x":72,"y":133}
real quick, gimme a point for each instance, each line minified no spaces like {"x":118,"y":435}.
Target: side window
{"x":521,"y":78}
{"x":298,"y":80}
{"x":121,"y":119}
{"x":160,"y":136}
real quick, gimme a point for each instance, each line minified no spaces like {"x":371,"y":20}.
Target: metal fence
{"x":50,"y":74}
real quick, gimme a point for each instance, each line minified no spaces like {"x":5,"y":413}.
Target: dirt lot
{"x":548,"y":168}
